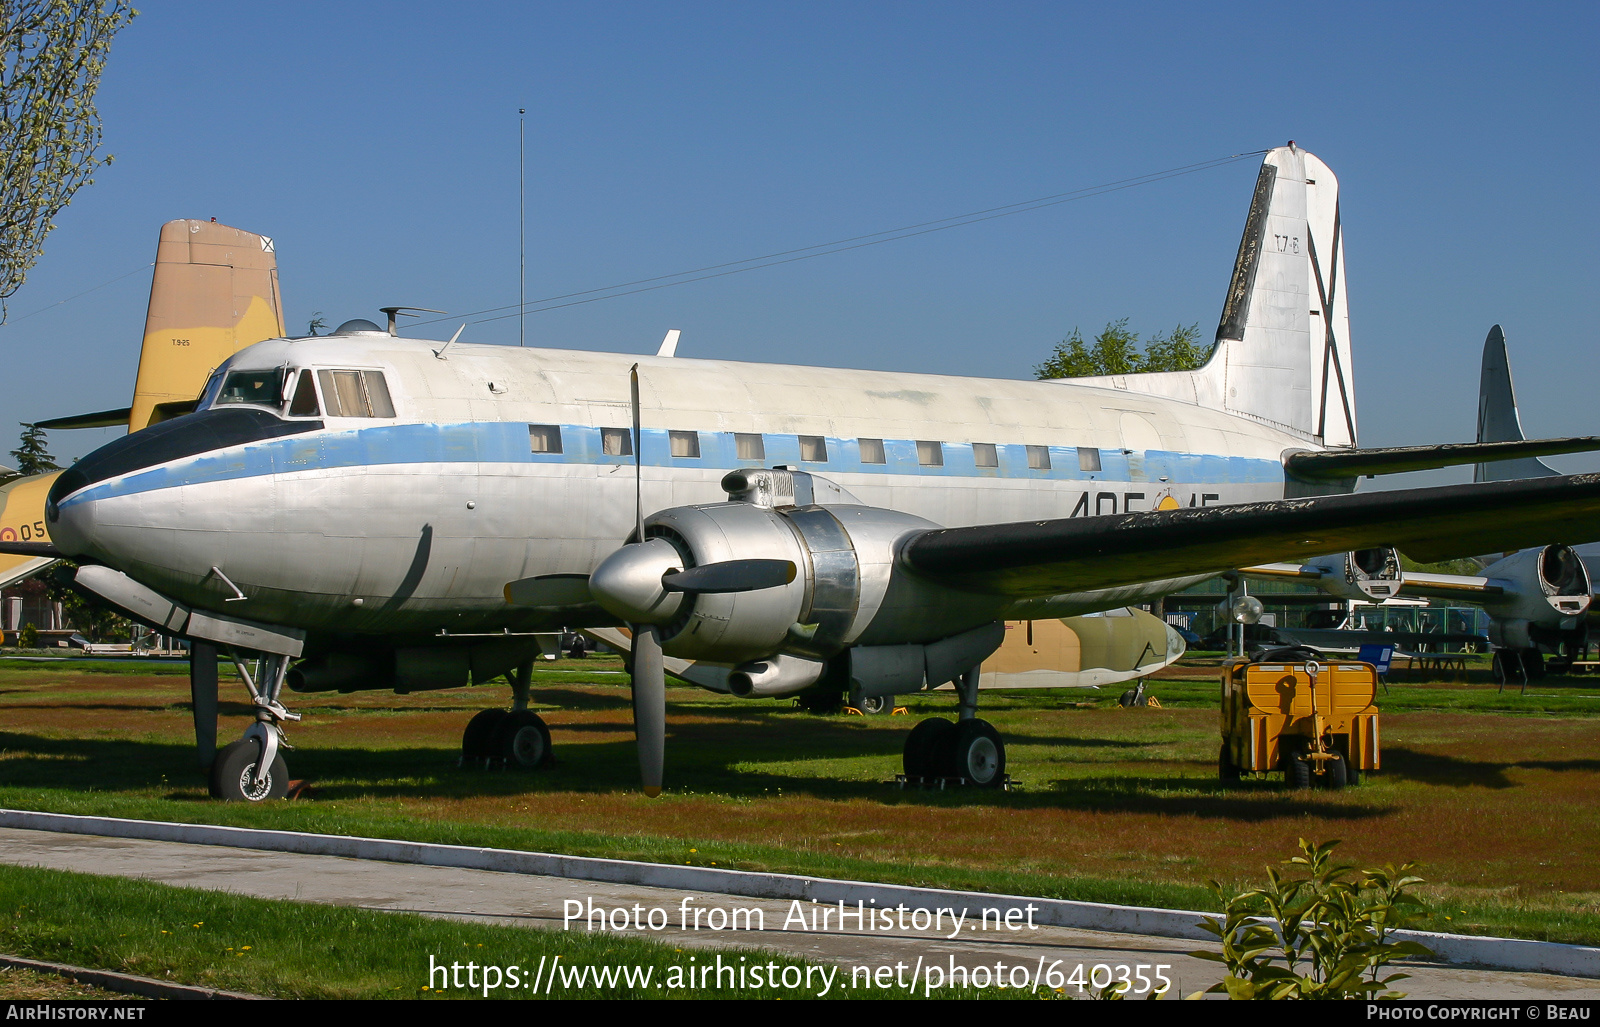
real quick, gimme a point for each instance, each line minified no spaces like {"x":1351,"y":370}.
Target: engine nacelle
{"x":848,"y":589}
{"x":1367,"y":575}
{"x":1545,"y":593}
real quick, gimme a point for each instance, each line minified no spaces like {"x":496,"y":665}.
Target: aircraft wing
{"x":1077,"y":554}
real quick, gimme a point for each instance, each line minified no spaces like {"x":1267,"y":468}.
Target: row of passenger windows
{"x":546,"y":438}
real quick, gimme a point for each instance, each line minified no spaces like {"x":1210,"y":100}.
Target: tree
{"x":1116,"y":351}
{"x":1178,"y":351}
{"x":1071,"y":359}
{"x":51,"y":56}
{"x":32,"y":457}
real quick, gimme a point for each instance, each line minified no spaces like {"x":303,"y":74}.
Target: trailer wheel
{"x":1296,"y":768}
{"x":1226,"y":771}
{"x":1352,"y":773}
{"x":1334,"y":773}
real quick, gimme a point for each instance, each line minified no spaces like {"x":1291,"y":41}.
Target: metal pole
{"x":522,"y":221}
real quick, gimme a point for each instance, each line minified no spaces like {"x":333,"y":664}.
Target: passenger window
{"x":813,"y":448}
{"x":984,"y":455}
{"x":1088,"y":459}
{"x":263,"y":387}
{"x":751,"y":447}
{"x":304,"y":403}
{"x":930,"y":454}
{"x":685,"y":443}
{"x":1039,"y":458}
{"x":616,"y":441}
{"x":544,"y":438}
{"x":871,"y":451}
{"x":355,"y":394}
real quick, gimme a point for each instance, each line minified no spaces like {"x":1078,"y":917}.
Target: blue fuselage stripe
{"x":509,"y":443}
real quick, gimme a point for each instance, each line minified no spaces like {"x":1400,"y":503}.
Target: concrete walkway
{"x":544,"y":902}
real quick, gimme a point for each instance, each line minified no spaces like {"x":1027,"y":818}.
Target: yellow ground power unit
{"x":1314,"y":721}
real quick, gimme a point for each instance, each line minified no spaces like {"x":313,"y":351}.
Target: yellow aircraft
{"x":214,"y":292}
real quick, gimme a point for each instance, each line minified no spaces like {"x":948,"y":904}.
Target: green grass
{"x":301,"y":950}
{"x":1122,"y":805}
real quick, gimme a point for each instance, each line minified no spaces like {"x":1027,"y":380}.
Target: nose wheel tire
{"x":477,"y":741}
{"x":977,"y":754}
{"x":522,"y":740}
{"x":926,"y":746}
{"x":233,"y":774}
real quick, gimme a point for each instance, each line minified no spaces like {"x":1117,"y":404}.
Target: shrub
{"x":28,"y":637}
{"x":1325,"y":936}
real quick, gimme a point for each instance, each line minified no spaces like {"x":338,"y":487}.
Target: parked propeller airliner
{"x":398,"y":513}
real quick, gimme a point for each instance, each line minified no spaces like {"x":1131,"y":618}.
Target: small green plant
{"x":1325,"y":936}
{"x":28,"y":637}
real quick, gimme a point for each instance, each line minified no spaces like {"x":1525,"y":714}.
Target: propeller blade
{"x":730,"y":576}
{"x":649,"y":707}
{"x":550,"y":590}
{"x":638,"y":458}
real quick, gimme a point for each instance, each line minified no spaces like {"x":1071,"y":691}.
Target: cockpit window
{"x":304,"y":403}
{"x":261,"y":387}
{"x":355,"y":394}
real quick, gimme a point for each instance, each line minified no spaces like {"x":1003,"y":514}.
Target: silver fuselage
{"x":411,"y":525}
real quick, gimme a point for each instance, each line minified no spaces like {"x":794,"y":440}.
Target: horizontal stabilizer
{"x":103,"y":419}
{"x":1343,"y":464}
{"x":1077,"y":554}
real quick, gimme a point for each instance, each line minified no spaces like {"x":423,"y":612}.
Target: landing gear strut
{"x":252,"y":769}
{"x":515,"y":738}
{"x":969,"y":751}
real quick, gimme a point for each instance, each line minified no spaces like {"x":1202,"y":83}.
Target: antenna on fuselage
{"x":392,"y":311}
{"x":440,"y":351}
{"x":669,"y":345}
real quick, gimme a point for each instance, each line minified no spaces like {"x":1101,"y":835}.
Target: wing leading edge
{"x":1077,"y":554}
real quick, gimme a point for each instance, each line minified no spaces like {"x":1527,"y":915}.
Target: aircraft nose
{"x":72,"y":528}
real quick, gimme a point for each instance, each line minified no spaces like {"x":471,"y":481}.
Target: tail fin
{"x":1283,"y":348}
{"x":1498,"y":420}
{"x":214,"y":292}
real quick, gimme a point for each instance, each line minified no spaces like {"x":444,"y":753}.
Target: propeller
{"x":645,"y":583}
{"x":649,"y":678}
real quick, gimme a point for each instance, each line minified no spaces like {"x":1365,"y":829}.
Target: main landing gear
{"x":516,"y":738}
{"x":968,"y":751}
{"x":251,"y":769}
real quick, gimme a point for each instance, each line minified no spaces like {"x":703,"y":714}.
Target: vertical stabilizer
{"x":1284,"y":340}
{"x":215,"y":291}
{"x":1498,"y":420}
{"x":1283,"y":346}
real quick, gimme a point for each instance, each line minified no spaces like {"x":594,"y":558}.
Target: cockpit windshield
{"x":264,"y":388}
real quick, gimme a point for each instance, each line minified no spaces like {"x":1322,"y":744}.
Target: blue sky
{"x":377,"y":143}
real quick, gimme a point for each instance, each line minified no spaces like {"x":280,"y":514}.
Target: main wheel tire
{"x":235,"y":766}
{"x":522,"y":740}
{"x":874,"y":704}
{"x":1226,"y":771}
{"x":1352,"y":773}
{"x":1296,"y":768}
{"x":477,"y":741}
{"x":1335,"y":774}
{"x":926,"y":747}
{"x":978,"y":754}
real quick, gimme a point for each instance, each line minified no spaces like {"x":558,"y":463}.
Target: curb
{"x":1493,"y":953}
{"x":127,"y":984}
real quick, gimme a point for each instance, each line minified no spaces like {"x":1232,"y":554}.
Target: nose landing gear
{"x":252,"y":769}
